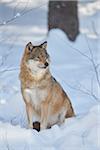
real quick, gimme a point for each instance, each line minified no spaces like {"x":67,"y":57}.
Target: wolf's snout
{"x":46,"y":64}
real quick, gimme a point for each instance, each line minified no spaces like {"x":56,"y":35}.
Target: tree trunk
{"x":64,"y":15}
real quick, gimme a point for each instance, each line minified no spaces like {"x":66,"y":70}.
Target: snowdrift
{"x":81,"y":132}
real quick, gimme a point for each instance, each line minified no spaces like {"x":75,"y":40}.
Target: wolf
{"x":44,"y":97}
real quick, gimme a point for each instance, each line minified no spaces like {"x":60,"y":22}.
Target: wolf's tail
{"x":70,"y":112}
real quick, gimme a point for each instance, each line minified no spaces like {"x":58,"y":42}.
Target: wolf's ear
{"x":44,"y":45}
{"x":29,"y":46}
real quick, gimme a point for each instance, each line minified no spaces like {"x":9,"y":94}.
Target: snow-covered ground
{"x":75,"y":65}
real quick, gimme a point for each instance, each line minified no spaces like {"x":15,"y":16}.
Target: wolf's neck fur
{"x":29,"y":79}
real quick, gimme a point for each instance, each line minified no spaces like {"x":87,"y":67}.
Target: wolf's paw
{"x":36,"y":126}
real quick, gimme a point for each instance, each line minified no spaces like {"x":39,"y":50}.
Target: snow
{"x":69,"y":66}
{"x":80,"y":132}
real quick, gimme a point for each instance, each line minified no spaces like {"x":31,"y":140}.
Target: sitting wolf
{"x":43,"y":95}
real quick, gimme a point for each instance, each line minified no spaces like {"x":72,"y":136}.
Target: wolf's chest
{"x":35,"y":95}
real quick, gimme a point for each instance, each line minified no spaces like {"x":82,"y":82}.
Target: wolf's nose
{"x":46,"y":64}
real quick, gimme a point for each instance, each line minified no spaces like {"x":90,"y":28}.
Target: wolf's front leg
{"x":29,"y":110}
{"x":44,"y":116}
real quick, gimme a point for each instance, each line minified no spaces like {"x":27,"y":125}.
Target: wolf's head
{"x":36,"y":57}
